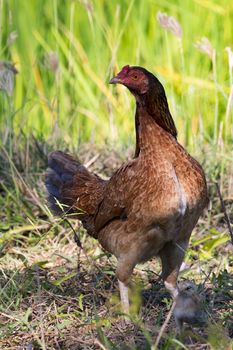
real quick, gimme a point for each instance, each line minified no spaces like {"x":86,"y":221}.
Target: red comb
{"x":124,"y":71}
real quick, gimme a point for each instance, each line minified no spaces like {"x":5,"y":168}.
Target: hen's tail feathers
{"x":59,"y":176}
{"x":72,"y":188}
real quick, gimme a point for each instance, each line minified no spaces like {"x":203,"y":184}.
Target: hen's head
{"x":134,"y":78}
{"x":149,"y":92}
{"x":138,"y":80}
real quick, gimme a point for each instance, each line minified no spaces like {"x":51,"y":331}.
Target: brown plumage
{"x":151,"y":204}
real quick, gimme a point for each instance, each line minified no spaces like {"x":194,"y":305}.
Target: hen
{"x":151,"y":204}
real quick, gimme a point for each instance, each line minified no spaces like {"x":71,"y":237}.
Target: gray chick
{"x":189,"y":306}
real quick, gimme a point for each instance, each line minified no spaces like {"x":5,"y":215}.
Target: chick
{"x":189,"y":306}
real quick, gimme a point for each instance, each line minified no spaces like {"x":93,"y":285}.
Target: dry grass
{"x":67,"y":299}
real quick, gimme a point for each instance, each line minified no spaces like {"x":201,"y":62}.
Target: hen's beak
{"x":115,"y":80}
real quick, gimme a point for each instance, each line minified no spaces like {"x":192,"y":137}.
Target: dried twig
{"x":224,"y":211}
{"x":76,"y":237}
{"x":164,"y":326}
{"x":97,"y":342}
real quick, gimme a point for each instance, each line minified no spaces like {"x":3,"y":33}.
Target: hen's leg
{"x":124,"y":270}
{"x":172,"y":256}
{"x":124,"y":294}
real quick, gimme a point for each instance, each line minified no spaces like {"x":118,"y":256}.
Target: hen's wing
{"x":115,"y":203}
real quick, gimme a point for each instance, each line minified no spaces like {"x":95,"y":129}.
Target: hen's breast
{"x":159,"y":194}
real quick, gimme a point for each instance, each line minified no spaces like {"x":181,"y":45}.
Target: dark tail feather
{"x":59,"y":176}
{"x":72,"y":188}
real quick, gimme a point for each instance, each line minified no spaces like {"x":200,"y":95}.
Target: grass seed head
{"x":52,"y":61}
{"x":12,"y":37}
{"x":7,"y":73}
{"x":170,"y":23}
{"x":205,"y":46}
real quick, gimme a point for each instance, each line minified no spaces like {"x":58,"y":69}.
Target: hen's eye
{"x":135,"y":77}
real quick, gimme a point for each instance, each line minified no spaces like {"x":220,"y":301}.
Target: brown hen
{"x":151,"y":204}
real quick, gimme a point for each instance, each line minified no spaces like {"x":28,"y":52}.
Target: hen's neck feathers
{"x":154,"y":103}
{"x":157,"y":107}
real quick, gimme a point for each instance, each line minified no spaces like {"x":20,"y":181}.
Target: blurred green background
{"x":66,"y":52}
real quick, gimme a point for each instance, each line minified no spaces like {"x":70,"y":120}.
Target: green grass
{"x":54,"y":295}
{"x":93,"y":39}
